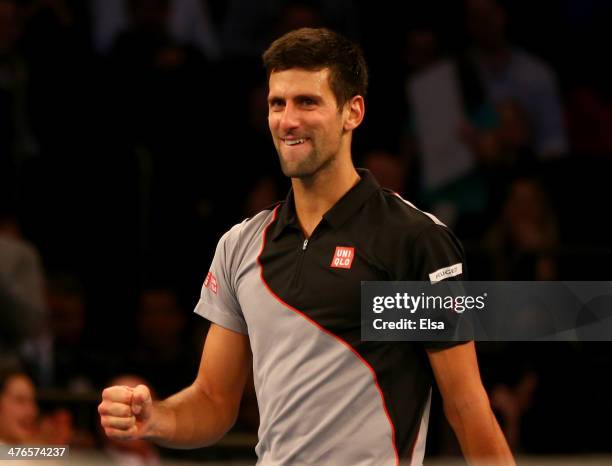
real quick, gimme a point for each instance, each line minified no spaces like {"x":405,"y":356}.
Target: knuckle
{"x":104,"y":422}
{"x":112,"y":422}
{"x":115,"y":394}
{"x":120,"y":410}
{"x":115,"y":434}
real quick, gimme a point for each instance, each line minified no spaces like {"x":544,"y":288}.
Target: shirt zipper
{"x":299,"y":263}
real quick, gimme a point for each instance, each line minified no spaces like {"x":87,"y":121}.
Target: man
{"x":279,"y":302}
{"x":511,"y":75}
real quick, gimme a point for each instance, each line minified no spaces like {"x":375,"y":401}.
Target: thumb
{"x":141,"y":399}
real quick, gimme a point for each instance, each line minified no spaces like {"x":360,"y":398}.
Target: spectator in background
{"x":510,"y":73}
{"x":63,"y":356}
{"x":18,"y":408}
{"x":22,"y":307}
{"x":522,"y":244}
{"x":161,"y":353}
{"x":502,"y":152}
{"x":460,"y":191}
{"x":506,"y":147}
{"x":19,"y":421}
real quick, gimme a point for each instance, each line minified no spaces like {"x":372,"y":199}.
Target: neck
{"x":315,"y":195}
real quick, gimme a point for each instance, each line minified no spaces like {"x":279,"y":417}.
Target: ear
{"x":355,"y":111}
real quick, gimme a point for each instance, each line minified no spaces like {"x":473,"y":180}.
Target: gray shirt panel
{"x":318,"y":400}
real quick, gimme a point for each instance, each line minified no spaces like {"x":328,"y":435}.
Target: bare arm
{"x":467,"y":406}
{"x":196,"y":416}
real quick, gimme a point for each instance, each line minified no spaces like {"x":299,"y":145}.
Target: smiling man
{"x":305,"y":121}
{"x":283,"y":294}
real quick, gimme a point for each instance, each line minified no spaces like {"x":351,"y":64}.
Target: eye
{"x":308,"y":102}
{"x":276,"y":104}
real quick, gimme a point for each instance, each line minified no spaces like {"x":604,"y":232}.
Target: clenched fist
{"x":125,"y":412}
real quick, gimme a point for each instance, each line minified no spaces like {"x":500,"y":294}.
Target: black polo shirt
{"x":324,"y":395}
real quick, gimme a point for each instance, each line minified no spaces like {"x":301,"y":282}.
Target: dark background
{"x":123,"y":163}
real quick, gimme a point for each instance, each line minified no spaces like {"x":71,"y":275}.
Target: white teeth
{"x":294,"y":142}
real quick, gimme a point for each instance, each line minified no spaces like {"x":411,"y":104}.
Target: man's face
{"x":18,"y":410}
{"x":304,"y":120}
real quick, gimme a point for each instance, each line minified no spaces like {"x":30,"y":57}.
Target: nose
{"x":289,"y":118}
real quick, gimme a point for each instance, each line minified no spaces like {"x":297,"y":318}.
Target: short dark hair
{"x":315,"y":49}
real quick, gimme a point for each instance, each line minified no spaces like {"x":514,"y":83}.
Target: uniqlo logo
{"x":343,"y":257}
{"x":211,"y":282}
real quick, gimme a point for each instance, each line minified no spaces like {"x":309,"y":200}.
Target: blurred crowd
{"x":133,"y":133}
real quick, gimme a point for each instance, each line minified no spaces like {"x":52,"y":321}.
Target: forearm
{"x":478,"y":432}
{"x":190,"y":419}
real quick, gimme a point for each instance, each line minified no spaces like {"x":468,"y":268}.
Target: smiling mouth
{"x":294,"y":142}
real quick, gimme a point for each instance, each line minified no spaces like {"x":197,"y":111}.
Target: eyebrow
{"x":299,"y":97}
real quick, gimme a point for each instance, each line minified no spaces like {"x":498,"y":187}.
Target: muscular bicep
{"x":225,"y":366}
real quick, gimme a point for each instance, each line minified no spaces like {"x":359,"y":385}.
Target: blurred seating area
{"x":133,"y":134}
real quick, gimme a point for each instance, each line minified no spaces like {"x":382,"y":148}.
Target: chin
{"x":297,"y":170}
{"x":297,"y":173}
{"x":306,"y":167}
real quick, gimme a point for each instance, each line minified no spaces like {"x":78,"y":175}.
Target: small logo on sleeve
{"x":446,"y":272}
{"x":343,"y":257}
{"x":211,"y":282}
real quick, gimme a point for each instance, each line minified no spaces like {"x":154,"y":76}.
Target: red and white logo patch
{"x":343,"y":257}
{"x":211,"y":282}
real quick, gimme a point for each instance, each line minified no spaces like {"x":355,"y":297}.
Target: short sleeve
{"x":437,"y":256}
{"x":218,"y":302}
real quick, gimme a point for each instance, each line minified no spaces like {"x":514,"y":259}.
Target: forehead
{"x":19,"y":385}
{"x":298,"y":81}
